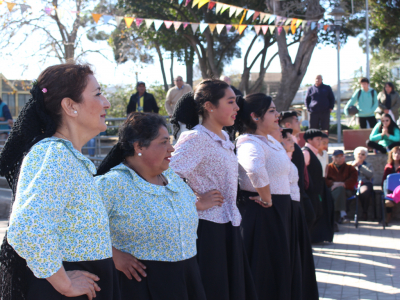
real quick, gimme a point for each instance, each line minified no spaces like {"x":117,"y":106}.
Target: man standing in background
{"x":319,"y":102}
{"x":175,"y":93}
{"x":142,"y":101}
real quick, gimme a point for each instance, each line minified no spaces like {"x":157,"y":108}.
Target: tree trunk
{"x":162,"y":66}
{"x":69,"y":52}
{"x":171,"y":70}
{"x":189,"y":57}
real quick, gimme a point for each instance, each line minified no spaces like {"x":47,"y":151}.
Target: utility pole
{"x":367,"y":35}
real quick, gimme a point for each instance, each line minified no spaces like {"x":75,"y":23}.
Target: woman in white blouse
{"x":204,"y":156}
{"x":264,"y":197}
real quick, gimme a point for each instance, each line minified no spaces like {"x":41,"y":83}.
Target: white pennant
{"x":60,"y":13}
{"x":232,"y":10}
{"x":158,"y":24}
{"x":220,"y":27}
{"x":203,"y":27}
{"x":149,"y":22}
{"x":177,"y":25}
{"x":218,"y":7}
{"x":194,"y":26}
{"x":23,"y":7}
{"x":267,"y":16}
{"x":118,"y":20}
{"x":288,"y":21}
{"x":238,"y":11}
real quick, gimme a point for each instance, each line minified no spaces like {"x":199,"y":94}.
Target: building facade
{"x":15,"y":93}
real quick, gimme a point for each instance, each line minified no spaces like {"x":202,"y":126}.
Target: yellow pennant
{"x":212,"y":27}
{"x":202,"y":2}
{"x":195,"y":2}
{"x":242,"y":28}
{"x":286,"y":28}
{"x":128,"y":21}
{"x":299,"y":21}
{"x":1,"y":2}
{"x":10,"y":6}
{"x":96,"y":17}
{"x":244,"y":14}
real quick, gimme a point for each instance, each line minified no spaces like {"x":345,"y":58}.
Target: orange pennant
{"x":326,"y":27}
{"x":286,"y":28}
{"x":212,"y":27}
{"x":96,"y":17}
{"x":10,"y":6}
{"x":128,"y":21}
{"x":1,"y":2}
{"x":242,"y":28}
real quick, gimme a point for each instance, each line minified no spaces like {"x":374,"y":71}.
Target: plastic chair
{"x":356,"y":198}
{"x":391,"y":182}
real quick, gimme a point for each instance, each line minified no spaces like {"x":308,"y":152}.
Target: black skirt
{"x":309,"y":281}
{"x":41,"y":289}
{"x":224,"y":267}
{"x":267,"y":239}
{"x":165,"y":281}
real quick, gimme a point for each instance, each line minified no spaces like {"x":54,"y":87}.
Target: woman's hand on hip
{"x":128,"y":264}
{"x":209,"y":200}
{"x":264,"y":203}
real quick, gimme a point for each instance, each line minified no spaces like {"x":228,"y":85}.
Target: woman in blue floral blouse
{"x":58,"y":243}
{"x":153,"y":217}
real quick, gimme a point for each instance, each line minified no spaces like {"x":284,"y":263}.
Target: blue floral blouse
{"x":58,"y":214}
{"x":150,"y":222}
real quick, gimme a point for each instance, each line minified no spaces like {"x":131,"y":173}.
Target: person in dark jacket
{"x":142,"y":101}
{"x":319,"y":102}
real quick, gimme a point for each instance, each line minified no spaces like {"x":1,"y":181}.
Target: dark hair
{"x":364,"y":79}
{"x":285,"y":132}
{"x":324,"y":136}
{"x":142,"y":128}
{"x":38,"y":119}
{"x":286,"y":120}
{"x":392,"y":124}
{"x":254,"y":103}
{"x":191,"y":105}
{"x":389,"y":84}
{"x":390,"y":155}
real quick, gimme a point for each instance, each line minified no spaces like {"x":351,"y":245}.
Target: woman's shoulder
{"x":113,"y":178}
{"x":388,"y":167}
{"x":49,"y":150}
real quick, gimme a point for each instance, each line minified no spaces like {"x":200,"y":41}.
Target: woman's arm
{"x":375,"y":135}
{"x":396,"y":136}
{"x":264,"y":198}
{"x":128,"y":264}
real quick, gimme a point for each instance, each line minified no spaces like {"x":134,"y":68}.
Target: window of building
{"x":22,"y":100}
{"x":9,"y":99}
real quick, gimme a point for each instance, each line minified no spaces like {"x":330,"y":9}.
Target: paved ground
{"x":362,"y":263}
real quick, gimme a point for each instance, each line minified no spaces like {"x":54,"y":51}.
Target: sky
{"x":23,"y":64}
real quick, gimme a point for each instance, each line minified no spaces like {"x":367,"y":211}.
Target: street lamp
{"x":338,"y":14}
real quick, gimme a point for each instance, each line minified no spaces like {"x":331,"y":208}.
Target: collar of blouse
{"x":227,"y":144}
{"x":269,"y":140}
{"x":86,"y":161}
{"x":148,"y":187}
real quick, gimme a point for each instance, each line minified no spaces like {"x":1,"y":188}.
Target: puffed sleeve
{"x":42,"y":194}
{"x":252,"y":158}
{"x":190,"y":150}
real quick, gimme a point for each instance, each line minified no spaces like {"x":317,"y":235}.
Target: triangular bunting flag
{"x":220,"y":27}
{"x":1,"y":2}
{"x":264,"y":29}
{"x":326,"y":27}
{"x":23,"y":7}
{"x":187,"y":2}
{"x":257,"y":28}
{"x":61,"y":12}
{"x":255,"y":16}
{"x":271,"y":29}
{"x":266,"y":18}
{"x":228,"y":27}
{"x":294,"y":21}
{"x":128,"y":21}
{"x":299,"y":21}
{"x":195,"y":2}
{"x":241,"y":28}
{"x":212,"y":27}
{"x":185,"y":24}
{"x":283,"y":20}
{"x":278,"y":20}
{"x":211,"y":5}
{"x":180,"y":2}
{"x":47,"y":10}
{"x":148,"y":22}
{"x":203,"y":27}
{"x":158,"y":24}
{"x":286,"y":28}
{"x":279,"y":29}
{"x":250,"y":12}
{"x":238,"y":11}
{"x":202,"y":2}
{"x":232,"y":10}
{"x":304,"y":25}
{"x":313,"y":25}
{"x":168,"y":24}
{"x":177,"y":25}
{"x":194,"y":27}
{"x":288,"y":21}
{"x":118,"y":20}
{"x":139,"y":21}
{"x":293,"y":26}
{"x":10,"y":6}
{"x":236,"y":27}
{"x":218,"y":7}
{"x":271,"y":19}
{"x":96,"y":17}
{"x":224,"y":8}
{"x":107,"y":18}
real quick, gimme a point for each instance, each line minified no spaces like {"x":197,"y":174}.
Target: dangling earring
{"x":139,"y":154}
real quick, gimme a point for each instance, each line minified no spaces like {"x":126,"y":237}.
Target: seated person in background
{"x":342,"y":179}
{"x":385,"y":135}
{"x":392,"y":166}
{"x":322,"y":154}
{"x":365,"y":174}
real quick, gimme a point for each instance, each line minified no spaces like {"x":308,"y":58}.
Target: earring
{"x":75,"y":112}
{"x":256,"y":119}
{"x":139,"y":154}
{"x":211,"y":110}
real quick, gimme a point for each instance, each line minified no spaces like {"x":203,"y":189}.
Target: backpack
{"x":372,"y":94}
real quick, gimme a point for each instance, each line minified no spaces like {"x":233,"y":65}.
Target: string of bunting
{"x":280,"y":23}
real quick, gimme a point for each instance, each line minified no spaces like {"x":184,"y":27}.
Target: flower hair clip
{"x":44,"y":91}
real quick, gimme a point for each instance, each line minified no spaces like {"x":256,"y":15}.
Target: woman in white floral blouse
{"x":152,"y":213}
{"x":58,"y":243}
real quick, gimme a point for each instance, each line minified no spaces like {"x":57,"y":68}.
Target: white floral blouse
{"x":58,"y":214}
{"x":149,"y":221}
